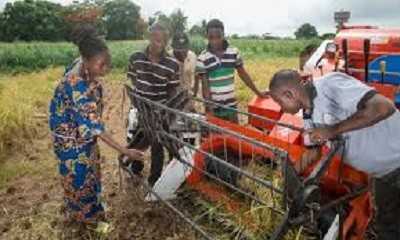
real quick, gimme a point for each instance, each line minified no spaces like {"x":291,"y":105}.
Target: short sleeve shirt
{"x":220,"y":72}
{"x":375,"y":149}
{"x":153,"y":80}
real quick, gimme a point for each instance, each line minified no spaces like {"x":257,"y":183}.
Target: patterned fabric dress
{"x":75,"y":113}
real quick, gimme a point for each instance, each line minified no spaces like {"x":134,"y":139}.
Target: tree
{"x":252,"y":36}
{"x":269,"y":36}
{"x":86,"y":12}
{"x":199,"y":29}
{"x":326,"y":36}
{"x":2,"y":27}
{"x":122,"y":20}
{"x":235,"y":36}
{"x":163,"y":19}
{"x":306,"y":31}
{"x":175,"y":22}
{"x":30,"y":20}
{"x":178,"y":22}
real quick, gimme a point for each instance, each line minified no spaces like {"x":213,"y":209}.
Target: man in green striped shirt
{"x":216,"y":70}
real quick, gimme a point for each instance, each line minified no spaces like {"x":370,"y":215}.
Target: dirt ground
{"x":30,"y":205}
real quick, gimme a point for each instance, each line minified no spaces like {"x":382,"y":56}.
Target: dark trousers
{"x":157,"y":162}
{"x":387,"y":203}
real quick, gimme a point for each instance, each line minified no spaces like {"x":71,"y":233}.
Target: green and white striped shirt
{"x":220,"y":72}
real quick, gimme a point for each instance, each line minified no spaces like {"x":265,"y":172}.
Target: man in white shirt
{"x":340,"y":105}
{"x":187,"y":60}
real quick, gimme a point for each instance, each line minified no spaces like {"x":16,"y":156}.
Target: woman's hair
{"x":88,"y":41}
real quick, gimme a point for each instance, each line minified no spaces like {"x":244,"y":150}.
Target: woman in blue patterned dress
{"x":75,"y":122}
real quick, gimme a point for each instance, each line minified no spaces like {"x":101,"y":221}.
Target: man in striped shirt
{"x":216,"y":70}
{"x":155,"y":76}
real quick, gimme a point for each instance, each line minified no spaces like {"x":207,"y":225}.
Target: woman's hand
{"x":133,"y":154}
{"x":130,"y":153}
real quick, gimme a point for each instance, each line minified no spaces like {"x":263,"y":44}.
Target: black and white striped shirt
{"x":152,"y":80}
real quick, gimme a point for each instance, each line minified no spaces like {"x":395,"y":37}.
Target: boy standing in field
{"x":216,"y":70}
{"x":186,"y":58}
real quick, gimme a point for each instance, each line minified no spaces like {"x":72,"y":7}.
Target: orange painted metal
{"x":338,"y":181}
{"x":386,"y":90}
{"x":264,"y":107}
{"x":285,"y":134}
{"x":340,"y":178}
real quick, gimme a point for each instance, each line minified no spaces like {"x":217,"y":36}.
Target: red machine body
{"x":356,"y":48}
{"x":379,"y":42}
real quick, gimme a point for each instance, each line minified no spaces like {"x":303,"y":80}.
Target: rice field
{"x":24,"y":99}
{"x":27,"y":57}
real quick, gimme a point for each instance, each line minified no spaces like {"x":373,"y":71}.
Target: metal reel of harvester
{"x":246,"y":174}
{"x":305,"y":206}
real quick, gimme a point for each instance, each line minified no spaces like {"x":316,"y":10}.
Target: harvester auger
{"x":251,"y":175}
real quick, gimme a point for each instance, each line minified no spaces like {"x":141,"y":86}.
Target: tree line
{"x":42,"y":20}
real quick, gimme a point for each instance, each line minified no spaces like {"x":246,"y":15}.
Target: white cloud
{"x":279,"y":17}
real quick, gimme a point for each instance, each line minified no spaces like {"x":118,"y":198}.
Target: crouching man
{"x":338,"y":104}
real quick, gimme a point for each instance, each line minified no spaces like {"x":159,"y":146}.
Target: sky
{"x":278,"y":17}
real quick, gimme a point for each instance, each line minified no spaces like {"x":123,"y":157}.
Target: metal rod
{"x":265,"y":119}
{"x":273,"y":149}
{"x":228,"y":165}
{"x":306,"y":218}
{"x":324,"y":164}
{"x":194,"y":225}
{"x":345,"y":55}
{"x":367,"y":45}
{"x":382,"y":66}
{"x":359,"y":70}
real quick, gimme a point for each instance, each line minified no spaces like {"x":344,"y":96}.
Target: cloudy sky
{"x":279,"y":17}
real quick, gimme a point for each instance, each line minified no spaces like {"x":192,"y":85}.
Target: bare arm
{"x":132,"y":153}
{"x":196,"y":86}
{"x":205,"y":90}
{"x":248,"y":81}
{"x":205,"y":87}
{"x":131,"y":74}
{"x":375,"y":110}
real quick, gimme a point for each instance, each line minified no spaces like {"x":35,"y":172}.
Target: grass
{"x":24,"y":99}
{"x":35,"y":56}
{"x":255,"y":49}
{"x":261,"y":71}
{"x":26,"y":57}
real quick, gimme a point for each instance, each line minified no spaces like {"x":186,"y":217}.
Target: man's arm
{"x":196,"y":86}
{"x":205,"y":89}
{"x":248,"y":81}
{"x":173,"y":84}
{"x":374,"y":110}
